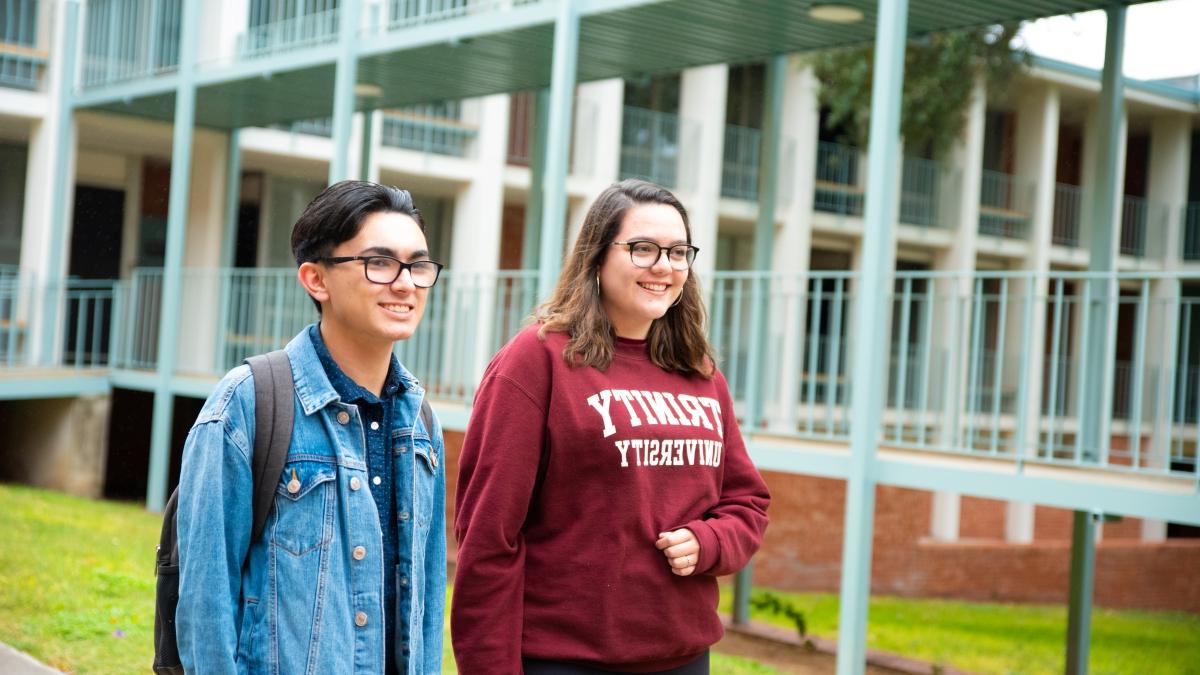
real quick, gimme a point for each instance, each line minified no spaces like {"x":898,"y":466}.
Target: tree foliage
{"x":940,"y":71}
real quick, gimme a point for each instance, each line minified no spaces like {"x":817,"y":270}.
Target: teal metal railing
{"x":838,"y":188}
{"x":965,"y":375}
{"x":1068,"y":213}
{"x":928,"y":193}
{"x":406,"y":13}
{"x":650,"y":146}
{"x":435,"y":128}
{"x":271,"y":30}
{"x":1143,"y":227}
{"x":84,"y":334}
{"x":1005,"y":205}
{"x":129,"y":39}
{"x":739,"y":174}
{"x":321,"y":126}
{"x":22,"y":63}
{"x":1191,"y":231}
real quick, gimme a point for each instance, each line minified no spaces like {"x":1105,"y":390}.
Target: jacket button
{"x":355,"y":483}
{"x":343,"y":417}
{"x":433,"y":458}
{"x":360,"y":619}
{"x":403,"y":515}
{"x":359,"y":553}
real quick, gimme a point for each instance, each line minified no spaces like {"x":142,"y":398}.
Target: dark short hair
{"x":337,"y":214}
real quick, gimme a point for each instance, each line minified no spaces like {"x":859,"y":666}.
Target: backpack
{"x":274,"y":392}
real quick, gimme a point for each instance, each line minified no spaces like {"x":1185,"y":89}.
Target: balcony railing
{"x":321,"y":126}
{"x":1191,"y":231}
{"x":85,"y":322}
{"x":266,"y":35}
{"x":407,"y":13}
{"x":650,"y":146}
{"x":739,"y":175}
{"x":1143,"y":227}
{"x":433,"y":128}
{"x":838,"y":188}
{"x":22,"y":63}
{"x":1068,"y":213}
{"x":130,"y":39}
{"x":963,"y":375}
{"x":928,"y":193}
{"x":1005,"y":205}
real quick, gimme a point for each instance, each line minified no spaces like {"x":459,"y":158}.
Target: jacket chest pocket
{"x":304,"y":506}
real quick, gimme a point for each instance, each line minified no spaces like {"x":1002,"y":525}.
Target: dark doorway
{"x":127,"y":468}
{"x":96,"y":233}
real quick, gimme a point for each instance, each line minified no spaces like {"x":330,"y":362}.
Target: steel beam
{"x":870,"y":356}
{"x":558,"y":145}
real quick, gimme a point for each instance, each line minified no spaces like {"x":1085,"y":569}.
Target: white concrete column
{"x":223,"y":24}
{"x":793,"y":241}
{"x":475,"y":238}
{"x":952,"y":307}
{"x":1170,"y":154}
{"x":131,"y":225}
{"x":597,"y":144}
{"x":701,"y":148}
{"x":1037,"y":150}
{"x":202,"y":252}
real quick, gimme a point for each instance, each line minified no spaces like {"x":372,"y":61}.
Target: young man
{"x":350,"y":573}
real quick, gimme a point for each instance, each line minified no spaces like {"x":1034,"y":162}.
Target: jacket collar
{"x":313,"y":387}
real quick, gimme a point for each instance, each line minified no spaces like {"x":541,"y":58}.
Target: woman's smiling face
{"x":633,"y":297}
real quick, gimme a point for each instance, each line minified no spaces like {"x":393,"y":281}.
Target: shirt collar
{"x":349,"y":390}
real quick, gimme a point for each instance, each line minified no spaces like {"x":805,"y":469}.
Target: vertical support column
{"x":233,"y":189}
{"x":177,"y":211}
{"x":531,"y":243}
{"x":870,"y":355}
{"x":52,"y":152}
{"x":764,"y":237}
{"x":1037,"y":141}
{"x":701,"y":152}
{"x":558,"y":140}
{"x":793,"y":244}
{"x":950,"y":305}
{"x":366,"y":153}
{"x":343,"y":90}
{"x":1099,"y":342}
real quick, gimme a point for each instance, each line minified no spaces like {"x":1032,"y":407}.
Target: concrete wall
{"x":57,"y":444}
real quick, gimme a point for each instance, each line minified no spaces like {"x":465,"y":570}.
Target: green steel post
{"x":1099,"y":346}
{"x":60,"y":208}
{"x":537,"y":175}
{"x":233,"y":189}
{"x":870,"y":363}
{"x":558,"y":145}
{"x":343,"y":90}
{"x":177,"y":208}
{"x":1083,"y":571}
{"x":764,"y":236}
{"x":364,"y":163}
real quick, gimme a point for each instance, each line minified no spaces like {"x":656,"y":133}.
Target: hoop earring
{"x":597,"y":283}
{"x":678,"y":299}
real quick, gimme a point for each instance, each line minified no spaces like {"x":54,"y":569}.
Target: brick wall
{"x":803,"y":549}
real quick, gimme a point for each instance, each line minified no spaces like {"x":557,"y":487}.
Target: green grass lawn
{"x":1007,"y":638}
{"x":77,"y":592}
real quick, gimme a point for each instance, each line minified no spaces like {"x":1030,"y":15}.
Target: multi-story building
{"x":1030,"y":369}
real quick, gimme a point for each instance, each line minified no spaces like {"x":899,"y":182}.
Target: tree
{"x":939,"y":74}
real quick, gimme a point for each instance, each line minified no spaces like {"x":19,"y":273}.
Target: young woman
{"x":603,"y":484}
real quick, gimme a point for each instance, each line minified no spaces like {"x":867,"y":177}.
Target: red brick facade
{"x":803,"y":549}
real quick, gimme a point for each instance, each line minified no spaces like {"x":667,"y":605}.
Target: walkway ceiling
{"x":512,"y":50}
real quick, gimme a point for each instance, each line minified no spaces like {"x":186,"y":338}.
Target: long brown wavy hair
{"x":677,"y":340}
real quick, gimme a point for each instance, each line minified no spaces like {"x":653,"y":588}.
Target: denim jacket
{"x":309,"y":598}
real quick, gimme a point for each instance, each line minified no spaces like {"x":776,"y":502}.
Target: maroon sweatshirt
{"x":567,"y":476}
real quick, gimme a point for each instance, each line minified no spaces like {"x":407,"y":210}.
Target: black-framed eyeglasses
{"x":384,"y":269}
{"x":645,"y":253}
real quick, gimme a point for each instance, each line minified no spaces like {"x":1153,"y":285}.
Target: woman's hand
{"x":682,"y":550}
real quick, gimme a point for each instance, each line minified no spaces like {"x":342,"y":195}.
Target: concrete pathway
{"x":13,"y":662}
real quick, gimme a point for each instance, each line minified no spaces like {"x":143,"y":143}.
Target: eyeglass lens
{"x":646,"y":254}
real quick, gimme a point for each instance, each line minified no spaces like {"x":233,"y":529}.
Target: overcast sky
{"x":1161,"y":39}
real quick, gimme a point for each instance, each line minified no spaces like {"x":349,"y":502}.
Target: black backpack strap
{"x":274,"y":412}
{"x":427,"y":417}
